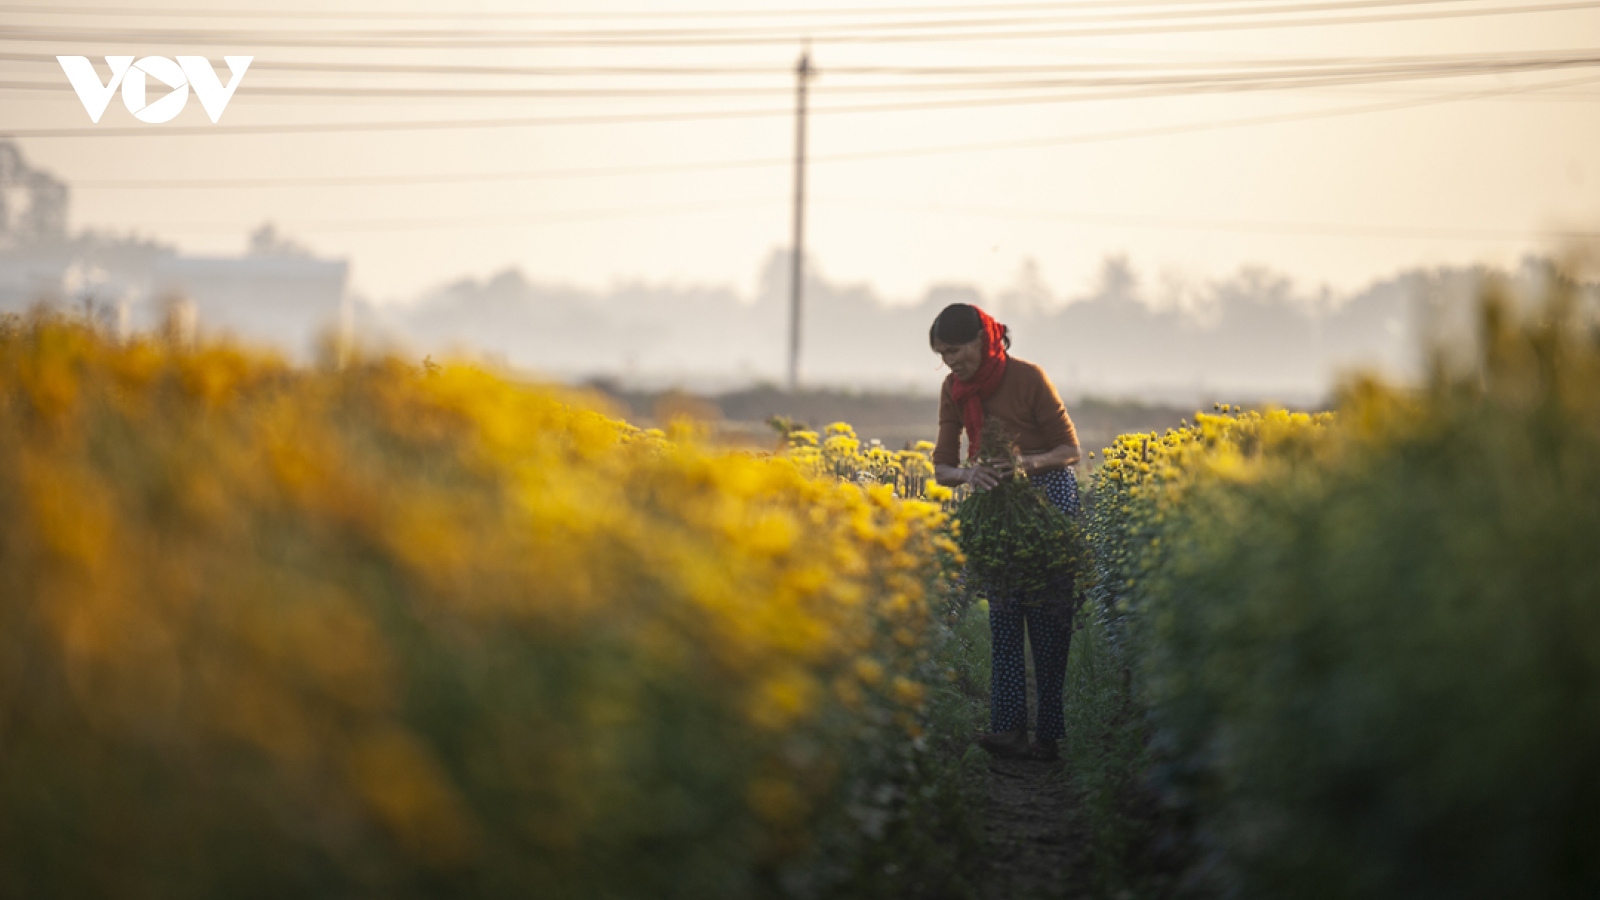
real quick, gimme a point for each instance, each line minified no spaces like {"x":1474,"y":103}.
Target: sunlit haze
{"x":1334,"y":143}
{"x":1479,"y":178}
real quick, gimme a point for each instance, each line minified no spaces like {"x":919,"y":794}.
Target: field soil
{"x":1033,"y":840}
{"x":897,"y":420}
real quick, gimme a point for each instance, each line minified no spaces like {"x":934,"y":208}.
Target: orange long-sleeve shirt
{"x":1026,"y":402}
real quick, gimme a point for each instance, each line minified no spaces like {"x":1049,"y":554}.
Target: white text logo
{"x":188,"y":71}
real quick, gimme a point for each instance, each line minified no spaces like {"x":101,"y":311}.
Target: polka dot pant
{"x":1061,"y":487}
{"x":1049,"y":632}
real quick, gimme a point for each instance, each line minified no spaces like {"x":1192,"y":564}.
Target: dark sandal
{"x":1044,"y":751}
{"x":1004,"y":744}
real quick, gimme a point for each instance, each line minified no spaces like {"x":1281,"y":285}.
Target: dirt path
{"x":1033,"y":837}
{"x":1031,"y":834}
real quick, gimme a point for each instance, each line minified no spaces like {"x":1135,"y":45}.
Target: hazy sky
{"x":1472,"y":167}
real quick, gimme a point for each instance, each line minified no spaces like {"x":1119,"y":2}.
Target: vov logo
{"x":188,"y":71}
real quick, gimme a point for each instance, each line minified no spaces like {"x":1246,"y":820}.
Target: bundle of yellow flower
{"x":284,"y":632}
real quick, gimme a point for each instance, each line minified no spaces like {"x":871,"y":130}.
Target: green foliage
{"x":919,"y":808}
{"x":1137,"y":840}
{"x":1369,"y":647}
{"x":1105,"y":754}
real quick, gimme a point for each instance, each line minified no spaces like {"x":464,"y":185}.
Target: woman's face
{"x":963,"y":359}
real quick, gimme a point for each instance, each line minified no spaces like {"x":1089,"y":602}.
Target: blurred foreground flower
{"x":275,"y":632}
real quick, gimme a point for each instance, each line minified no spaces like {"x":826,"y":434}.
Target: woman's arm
{"x":1056,"y":425}
{"x":980,"y":477}
{"x":1064,"y":455}
{"x":947,"y":449}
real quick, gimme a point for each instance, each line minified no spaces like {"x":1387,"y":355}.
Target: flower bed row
{"x":268,"y":631}
{"x":1357,"y":655}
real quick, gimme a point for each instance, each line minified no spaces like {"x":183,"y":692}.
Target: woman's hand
{"x":987,"y":475}
{"x":984,"y":477}
{"x":981,"y":477}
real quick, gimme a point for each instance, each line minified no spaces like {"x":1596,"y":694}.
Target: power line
{"x":621,"y":118}
{"x":1540,"y":97}
{"x":850,"y":70}
{"x":271,"y":90}
{"x":1206,"y":65}
{"x":822,"y":31}
{"x":580,"y":39}
{"x":631,"y":15}
{"x":980,"y":16}
{"x":1119,"y":219}
{"x":1225,"y":124}
{"x":437,"y":178}
{"x":433,"y":70}
{"x":556,"y":217}
{"x":881,"y":155}
{"x":1235,"y":80}
{"x":1135,"y":220}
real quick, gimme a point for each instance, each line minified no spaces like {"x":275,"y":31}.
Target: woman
{"x":985,"y":384}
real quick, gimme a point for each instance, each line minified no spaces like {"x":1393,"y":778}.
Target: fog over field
{"x":1257,"y":335}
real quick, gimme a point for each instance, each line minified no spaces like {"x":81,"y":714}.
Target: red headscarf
{"x":969,"y":395}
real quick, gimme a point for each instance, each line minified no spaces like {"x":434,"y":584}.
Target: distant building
{"x":277,"y":293}
{"x":33,"y":204}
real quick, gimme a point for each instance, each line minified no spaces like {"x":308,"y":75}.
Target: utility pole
{"x":802,"y":74}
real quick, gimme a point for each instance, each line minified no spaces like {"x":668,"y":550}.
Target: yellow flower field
{"x":271,"y":631}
